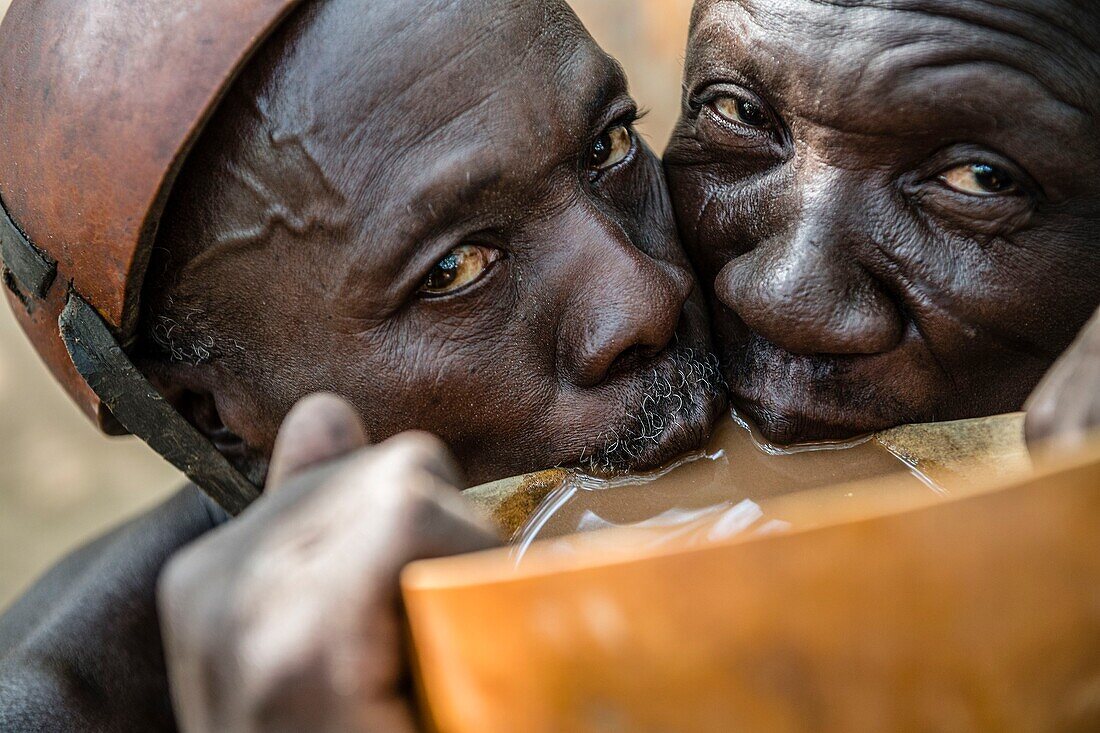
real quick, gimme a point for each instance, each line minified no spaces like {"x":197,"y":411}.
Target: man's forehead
{"x":1057,"y":24}
{"x":1076,"y":17}
{"x":416,"y":110}
{"x":840,"y":42}
{"x":402,"y":44}
{"x":383,"y":79}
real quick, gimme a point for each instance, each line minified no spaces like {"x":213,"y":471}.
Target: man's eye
{"x":611,"y":148}
{"x":461,"y":267}
{"x":980,"y":179}
{"x":741,"y":111}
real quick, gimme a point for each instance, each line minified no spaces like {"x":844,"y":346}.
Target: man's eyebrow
{"x":433,"y":204}
{"x":450,"y":188}
{"x":610,"y":86}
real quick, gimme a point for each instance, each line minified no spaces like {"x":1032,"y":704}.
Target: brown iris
{"x":463,"y":266}
{"x":979,"y":179}
{"x":743,"y":111}
{"x":611,"y":148}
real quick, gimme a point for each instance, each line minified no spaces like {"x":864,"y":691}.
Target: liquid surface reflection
{"x":723,"y":492}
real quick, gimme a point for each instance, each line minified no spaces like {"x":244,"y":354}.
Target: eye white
{"x":979,"y":179}
{"x":612,"y":148}
{"x":741,"y":111}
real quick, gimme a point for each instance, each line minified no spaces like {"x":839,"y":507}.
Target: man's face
{"x":441,"y":212}
{"x":895,"y":206}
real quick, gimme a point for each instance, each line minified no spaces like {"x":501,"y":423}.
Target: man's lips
{"x":787,"y":425}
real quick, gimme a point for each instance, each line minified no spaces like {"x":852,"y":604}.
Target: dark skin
{"x":490,"y":257}
{"x":828,"y":304}
{"x":895,"y":205}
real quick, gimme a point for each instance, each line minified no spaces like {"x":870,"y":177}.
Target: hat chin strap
{"x":131,"y":399}
{"x":137,"y":405}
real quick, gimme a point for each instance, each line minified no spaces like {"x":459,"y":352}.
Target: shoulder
{"x":82,"y":649}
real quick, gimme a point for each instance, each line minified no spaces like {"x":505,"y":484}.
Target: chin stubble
{"x":678,"y":401}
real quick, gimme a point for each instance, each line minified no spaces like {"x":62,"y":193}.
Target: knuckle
{"x":416,"y":447}
{"x":421,"y":510}
{"x":181,"y":577}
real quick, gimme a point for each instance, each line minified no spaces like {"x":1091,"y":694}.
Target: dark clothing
{"x":81,"y":651}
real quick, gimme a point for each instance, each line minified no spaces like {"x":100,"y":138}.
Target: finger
{"x":422,"y":451}
{"x":320,"y":428}
{"x":439,"y":522}
{"x":1064,"y":413}
{"x":411,"y":491}
{"x":1041,"y":412}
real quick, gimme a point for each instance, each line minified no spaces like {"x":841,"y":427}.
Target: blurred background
{"x":62,"y":483}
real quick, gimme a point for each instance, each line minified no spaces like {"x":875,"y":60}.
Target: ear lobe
{"x":187,"y":392}
{"x":201,"y":410}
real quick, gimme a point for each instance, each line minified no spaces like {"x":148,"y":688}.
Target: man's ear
{"x":201,"y":410}
{"x":199,"y":406}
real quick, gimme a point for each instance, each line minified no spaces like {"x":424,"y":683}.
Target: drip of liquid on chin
{"x":710,"y":495}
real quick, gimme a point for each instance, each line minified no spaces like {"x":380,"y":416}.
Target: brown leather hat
{"x":101,"y":103}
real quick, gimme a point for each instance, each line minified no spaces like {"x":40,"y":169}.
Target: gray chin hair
{"x":677,"y":403}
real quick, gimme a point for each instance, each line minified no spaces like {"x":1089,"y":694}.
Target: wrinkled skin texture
{"x":364,"y":146}
{"x":303,"y":628}
{"x":860,"y":278}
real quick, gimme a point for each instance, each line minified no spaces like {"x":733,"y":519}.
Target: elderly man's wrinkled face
{"x":441,"y":211}
{"x":895,"y":205}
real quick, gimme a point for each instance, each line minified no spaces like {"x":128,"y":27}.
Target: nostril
{"x":633,"y":357}
{"x":623,"y":344}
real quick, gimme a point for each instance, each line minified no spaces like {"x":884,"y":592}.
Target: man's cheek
{"x":639,"y":201}
{"x":712,"y":243}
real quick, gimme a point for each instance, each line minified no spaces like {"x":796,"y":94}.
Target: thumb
{"x":319,"y":429}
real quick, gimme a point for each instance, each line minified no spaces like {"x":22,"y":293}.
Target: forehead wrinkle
{"x":405,"y":50}
{"x":1010,"y":48}
{"x":1058,"y":34}
{"x":1074,"y":16}
{"x":511,"y":119}
{"x":1071,"y":52}
{"x":513,"y":54}
{"x":517,"y":149}
{"x":508,"y":36}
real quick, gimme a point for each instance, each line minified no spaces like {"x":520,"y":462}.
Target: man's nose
{"x":808,"y":293}
{"x":627,"y":303}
